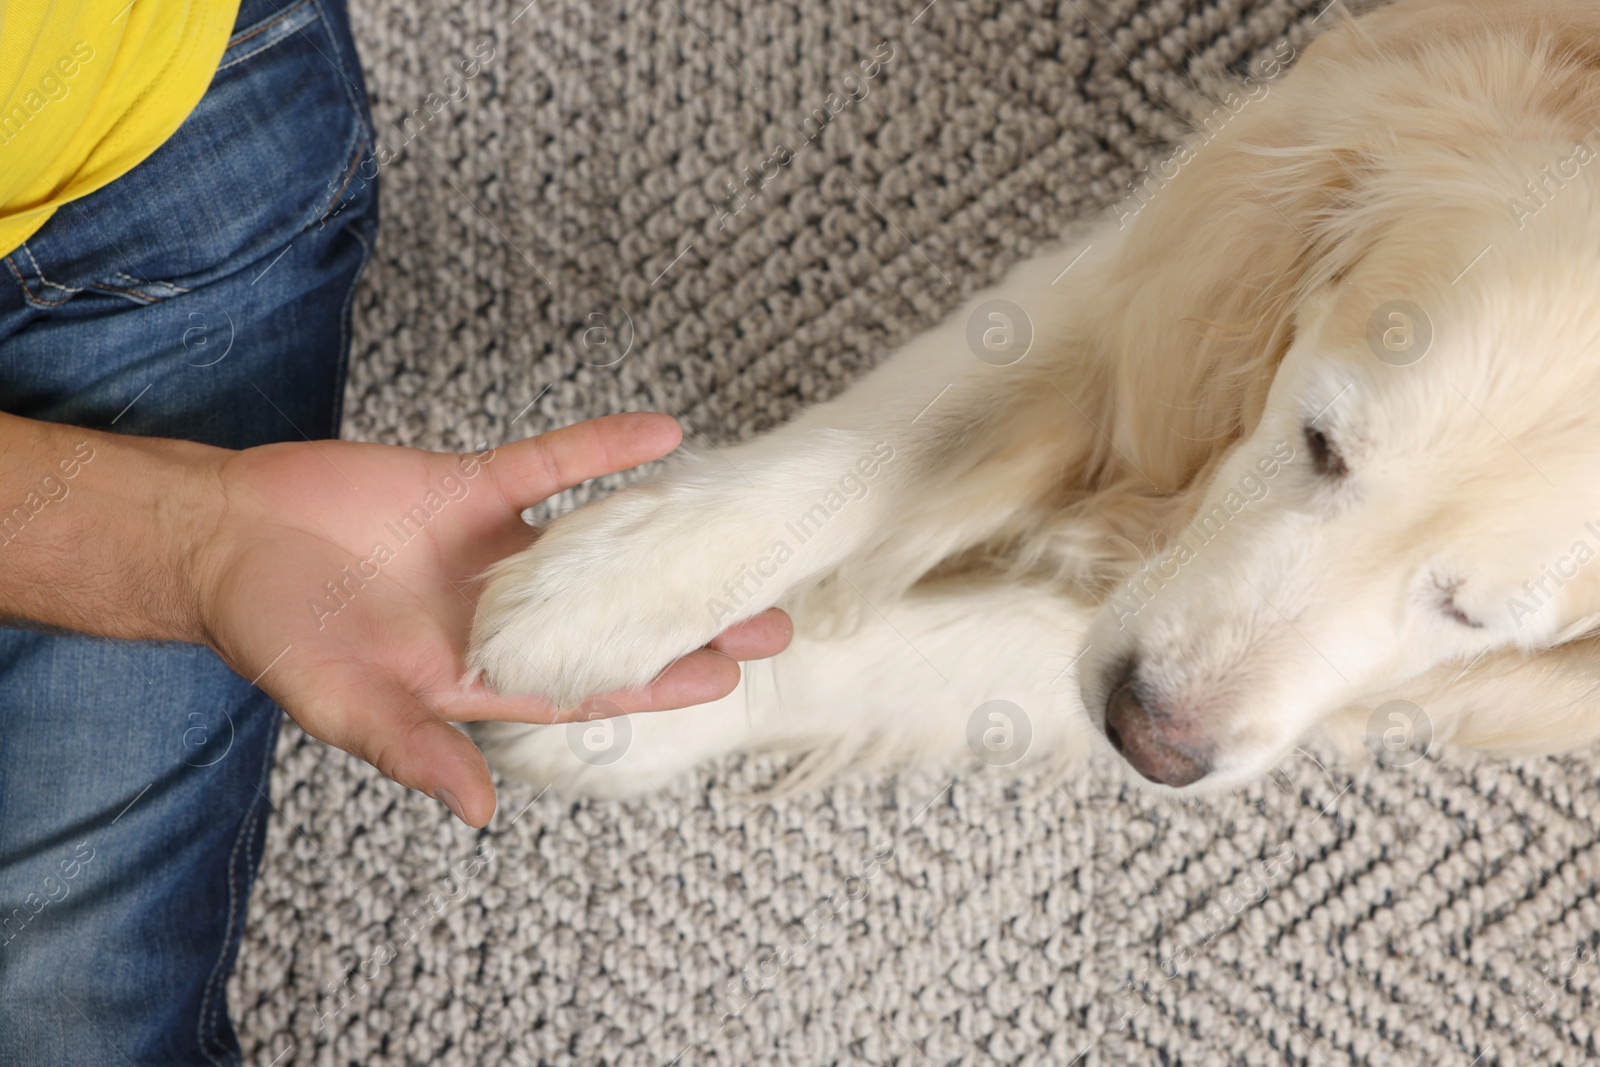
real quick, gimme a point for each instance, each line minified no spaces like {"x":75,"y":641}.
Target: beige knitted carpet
{"x":572,"y":200}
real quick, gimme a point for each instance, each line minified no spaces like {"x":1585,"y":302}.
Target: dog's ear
{"x":1574,"y":43}
{"x":1258,"y":216}
{"x":1577,"y":44}
{"x":1267,"y":205}
{"x":1205,"y":294}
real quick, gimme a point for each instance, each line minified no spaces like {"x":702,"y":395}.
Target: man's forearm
{"x":98,"y":531}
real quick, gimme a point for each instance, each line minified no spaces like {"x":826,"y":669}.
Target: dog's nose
{"x":1141,"y":739}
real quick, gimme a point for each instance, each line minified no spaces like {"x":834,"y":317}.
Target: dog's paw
{"x":607,"y":598}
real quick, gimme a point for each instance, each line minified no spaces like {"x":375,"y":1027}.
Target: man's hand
{"x":337,"y":576}
{"x":341,"y":575}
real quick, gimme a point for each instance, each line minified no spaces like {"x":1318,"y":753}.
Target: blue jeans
{"x":204,"y":295}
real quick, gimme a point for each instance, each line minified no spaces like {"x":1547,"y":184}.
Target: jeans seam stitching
{"x":245,"y":827}
{"x":136,"y":282}
{"x":344,"y":326}
{"x":27,"y":294}
{"x":261,"y":27}
{"x":236,"y":60}
{"x":264,"y":27}
{"x":39,"y":272}
{"x":349,"y":90}
{"x":202,"y":1038}
{"x":363,"y":138}
{"x":360,"y":153}
{"x":144,"y":298}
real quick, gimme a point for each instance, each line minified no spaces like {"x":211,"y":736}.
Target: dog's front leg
{"x":613,"y":592}
{"x":938,"y":449}
{"x":951,"y":672}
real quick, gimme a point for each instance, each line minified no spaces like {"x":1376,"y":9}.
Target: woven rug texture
{"x":561,"y":241}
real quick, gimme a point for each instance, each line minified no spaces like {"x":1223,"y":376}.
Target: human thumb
{"x":380,"y":722}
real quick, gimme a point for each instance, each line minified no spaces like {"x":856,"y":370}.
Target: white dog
{"x":1309,"y":427}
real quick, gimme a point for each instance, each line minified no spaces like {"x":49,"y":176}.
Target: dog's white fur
{"x":1018,"y":532}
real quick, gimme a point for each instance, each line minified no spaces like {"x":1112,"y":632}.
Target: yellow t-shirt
{"x":89,"y":88}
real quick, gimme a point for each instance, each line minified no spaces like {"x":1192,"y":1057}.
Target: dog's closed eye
{"x":1446,"y":589}
{"x":1325,"y":458}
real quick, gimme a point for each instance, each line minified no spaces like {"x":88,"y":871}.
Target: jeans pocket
{"x":272,"y":148}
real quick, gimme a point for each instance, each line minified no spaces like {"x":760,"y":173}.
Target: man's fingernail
{"x":448,"y":799}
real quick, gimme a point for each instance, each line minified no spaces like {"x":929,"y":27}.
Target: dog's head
{"x":1420,"y":488}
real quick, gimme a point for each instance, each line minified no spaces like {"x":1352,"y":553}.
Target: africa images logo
{"x":53,"y":86}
